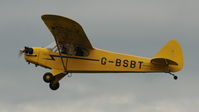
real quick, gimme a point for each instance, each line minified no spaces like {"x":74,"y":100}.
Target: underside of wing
{"x":66,"y":31}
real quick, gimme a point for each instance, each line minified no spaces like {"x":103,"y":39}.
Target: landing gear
{"x":48,"y":77}
{"x":174,"y":76}
{"x":54,"y":86}
{"x":53,"y":80}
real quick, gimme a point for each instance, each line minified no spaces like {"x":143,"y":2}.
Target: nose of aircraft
{"x":31,"y":54}
{"x":26,"y":50}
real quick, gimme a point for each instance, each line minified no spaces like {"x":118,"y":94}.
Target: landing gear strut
{"x":174,"y":76}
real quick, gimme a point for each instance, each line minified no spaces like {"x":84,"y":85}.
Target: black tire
{"x":54,"y":86}
{"x":48,"y":77}
{"x":175,"y":77}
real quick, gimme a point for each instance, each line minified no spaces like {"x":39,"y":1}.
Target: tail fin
{"x":171,"y":55}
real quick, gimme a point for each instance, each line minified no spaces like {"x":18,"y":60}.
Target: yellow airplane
{"x":73,"y":53}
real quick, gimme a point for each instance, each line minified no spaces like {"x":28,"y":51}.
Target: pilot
{"x":70,"y":49}
{"x":63,"y":49}
{"x":79,"y":51}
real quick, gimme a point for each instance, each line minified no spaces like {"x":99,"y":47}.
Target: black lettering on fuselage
{"x":118,"y":62}
{"x":103,"y":61}
{"x":140,"y":62}
{"x":125,"y":63}
{"x":133,"y":64}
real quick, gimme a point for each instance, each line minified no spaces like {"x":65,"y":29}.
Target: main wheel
{"x":48,"y":77}
{"x":54,"y":86}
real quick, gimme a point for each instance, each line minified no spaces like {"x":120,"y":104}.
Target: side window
{"x":86,"y":53}
{"x":71,"y":50}
{"x":79,"y":51}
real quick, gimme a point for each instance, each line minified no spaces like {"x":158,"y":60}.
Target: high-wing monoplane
{"x":72,"y":52}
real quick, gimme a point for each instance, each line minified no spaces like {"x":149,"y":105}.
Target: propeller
{"x":21,"y":51}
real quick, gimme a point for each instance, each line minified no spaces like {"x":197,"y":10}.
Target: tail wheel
{"x":48,"y":77}
{"x":175,"y":77}
{"x":54,"y":86}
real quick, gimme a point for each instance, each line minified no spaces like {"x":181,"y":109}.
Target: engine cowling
{"x":28,"y":50}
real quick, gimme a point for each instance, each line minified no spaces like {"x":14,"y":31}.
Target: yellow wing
{"x":66,"y":30}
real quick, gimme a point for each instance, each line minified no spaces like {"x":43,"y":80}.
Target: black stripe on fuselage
{"x":52,"y":58}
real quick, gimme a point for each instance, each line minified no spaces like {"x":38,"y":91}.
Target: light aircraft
{"x":73,"y":53}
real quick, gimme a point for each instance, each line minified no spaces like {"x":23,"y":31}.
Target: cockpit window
{"x":71,"y":49}
{"x":68,"y":49}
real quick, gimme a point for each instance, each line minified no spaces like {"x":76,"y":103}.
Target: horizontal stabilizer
{"x":163,"y":61}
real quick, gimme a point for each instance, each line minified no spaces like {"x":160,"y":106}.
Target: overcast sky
{"x":137,"y":27}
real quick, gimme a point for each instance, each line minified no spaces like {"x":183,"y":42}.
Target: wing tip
{"x":46,"y":16}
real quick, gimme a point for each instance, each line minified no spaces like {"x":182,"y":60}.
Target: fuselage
{"x":96,"y":61}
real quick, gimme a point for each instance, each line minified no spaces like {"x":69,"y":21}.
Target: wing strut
{"x":58,"y":47}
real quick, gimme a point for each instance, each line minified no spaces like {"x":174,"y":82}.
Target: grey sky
{"x":139,"y":27}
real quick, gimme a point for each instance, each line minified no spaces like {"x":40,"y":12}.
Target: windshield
{"x":51,"y":45}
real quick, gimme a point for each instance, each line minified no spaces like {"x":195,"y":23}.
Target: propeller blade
{"x":21,"y":51}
